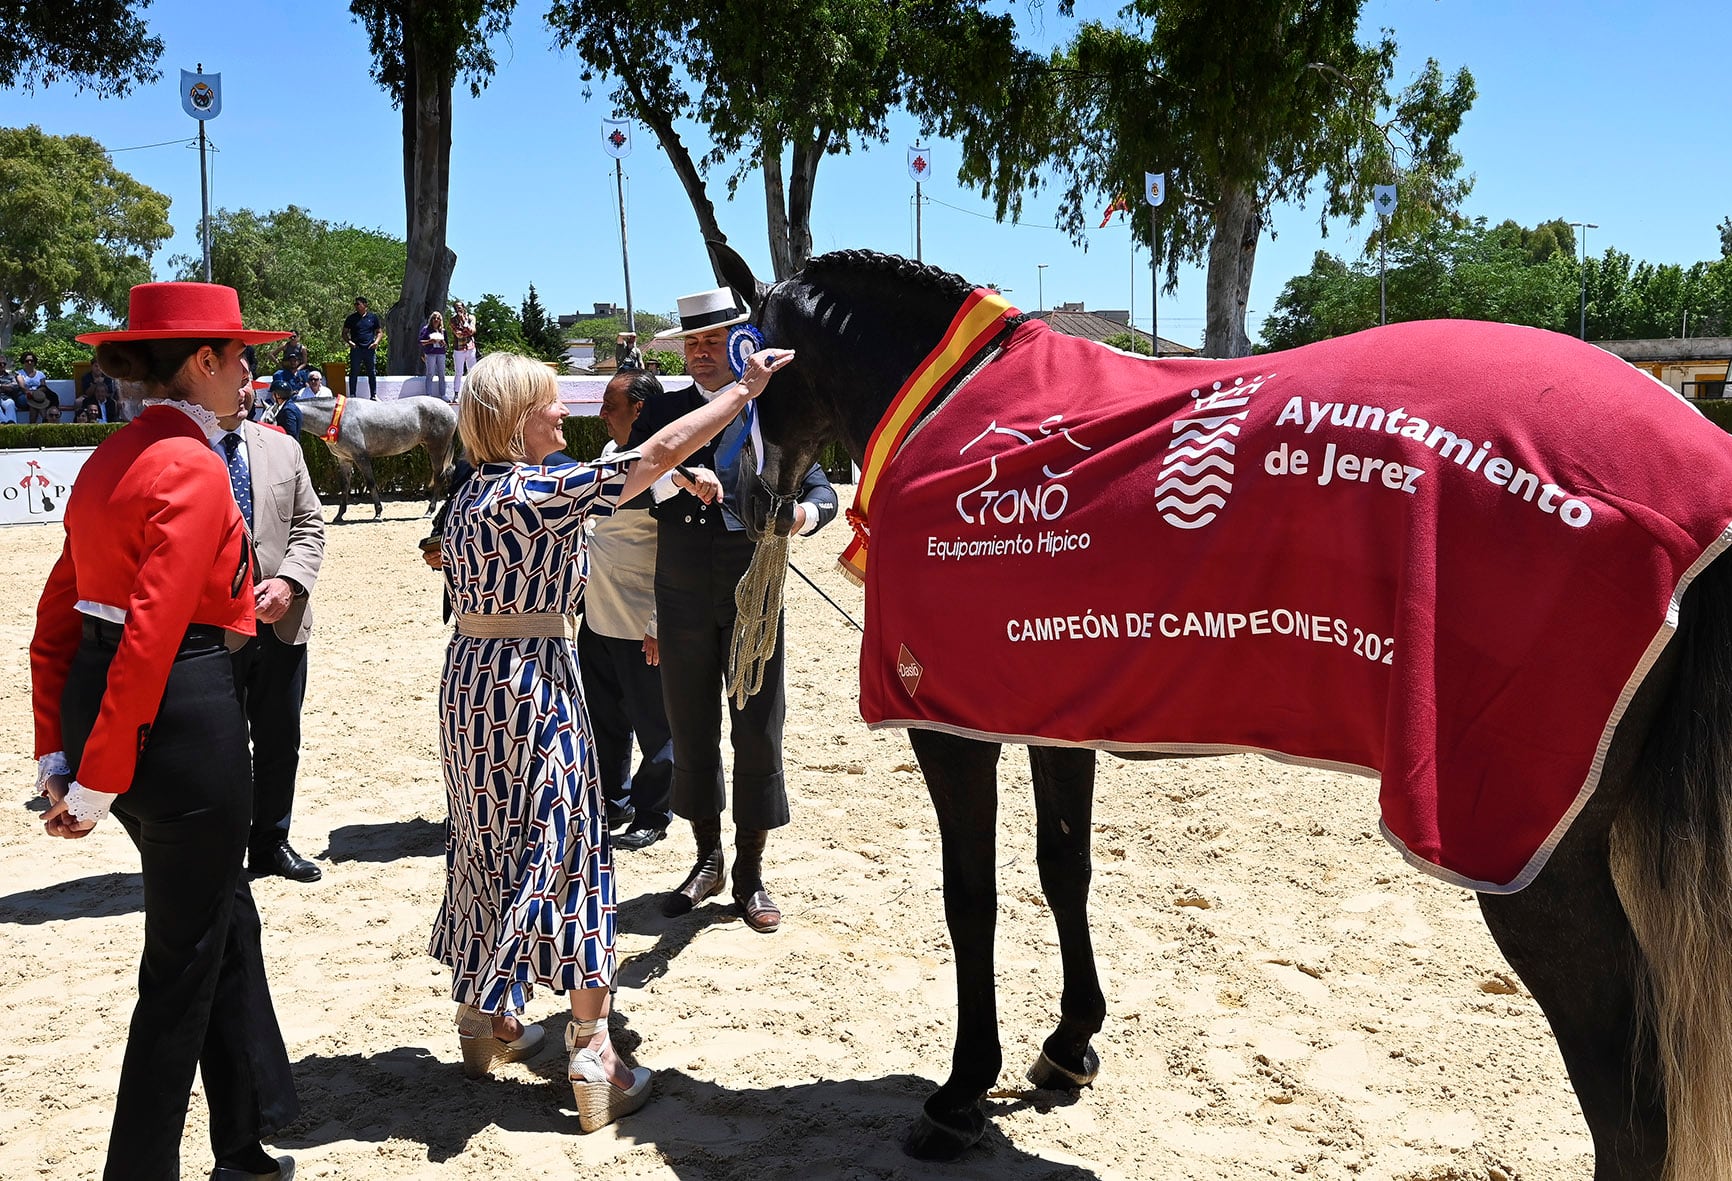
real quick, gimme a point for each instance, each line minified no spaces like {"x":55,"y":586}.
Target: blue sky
{"x":1595,"y":111}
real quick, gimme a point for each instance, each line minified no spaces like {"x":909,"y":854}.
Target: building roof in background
{"x":1098,"y":327}
{"x":1673,"y":348}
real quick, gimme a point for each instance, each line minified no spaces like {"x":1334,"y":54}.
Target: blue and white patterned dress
{"x":529,"y":894}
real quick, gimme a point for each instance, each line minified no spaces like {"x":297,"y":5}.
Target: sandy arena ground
{"x":1284,"y":996}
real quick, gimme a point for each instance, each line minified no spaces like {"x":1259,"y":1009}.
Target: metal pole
{"x":625,"y":256}
{"x":918,"y":256}
{"x":203,"y":195}
{"x":1383,"y":272}
{"x":1154,"y":285}
{"x":1040,"y":286}
{"x":1585,"y":226}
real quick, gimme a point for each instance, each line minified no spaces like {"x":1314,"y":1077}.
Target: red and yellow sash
{"x":977,"y":324}
{"x":330,"y":435}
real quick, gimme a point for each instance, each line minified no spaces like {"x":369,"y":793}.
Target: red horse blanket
{"x":1443,"y":553}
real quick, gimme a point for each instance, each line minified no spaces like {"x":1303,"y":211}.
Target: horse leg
{"x":1064,"y":784}
{"x":364,"y":462}
{"x":346,"y":469}
{"x":962,"y":778}
{"x":1569,"y":940}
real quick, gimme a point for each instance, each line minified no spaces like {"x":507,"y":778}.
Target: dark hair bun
{"x":124,"y":360}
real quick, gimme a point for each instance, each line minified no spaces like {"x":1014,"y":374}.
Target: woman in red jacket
{"x":136,"y":711}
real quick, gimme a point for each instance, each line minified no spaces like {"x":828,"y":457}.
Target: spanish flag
{"x":1119,"y":205}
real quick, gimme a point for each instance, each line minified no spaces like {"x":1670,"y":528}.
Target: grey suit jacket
{"x":288,"y":526}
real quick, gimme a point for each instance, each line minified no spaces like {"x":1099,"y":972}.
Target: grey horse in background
{"x":369,"y":430}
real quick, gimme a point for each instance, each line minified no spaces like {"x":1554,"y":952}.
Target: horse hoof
{"x":932,"y":1140}
{"x":1048,"y":1075}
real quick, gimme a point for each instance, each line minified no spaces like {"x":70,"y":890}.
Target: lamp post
{"x":1584,"y":226}
{"x":1040,"y":285}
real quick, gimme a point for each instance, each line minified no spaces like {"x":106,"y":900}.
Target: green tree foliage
{"x":99,"y":45}
{"x":54,"y":342}
{"x":296,"y":272}
{"x":421,"y":48}
{"x":540,"y":330}
{"x":671,"y":364}
{"x":1507,"y":273}
{"x":604,"y":331}
{"x":1244,"y":106}
{"x":779,"y":87}
{"x":75,"y":231}
{"x":1131,"y":342}
{"x":498,"y":329}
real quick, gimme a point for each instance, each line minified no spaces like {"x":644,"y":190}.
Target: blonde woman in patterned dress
{"x":529,"y":896}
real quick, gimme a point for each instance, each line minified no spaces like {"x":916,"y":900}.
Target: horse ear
{"x":736,"y":274}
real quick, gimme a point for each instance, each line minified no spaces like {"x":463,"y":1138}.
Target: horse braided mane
{"x":892,"y":265}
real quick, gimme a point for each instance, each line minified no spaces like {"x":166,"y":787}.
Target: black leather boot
{"x":705,"y":880}
{"x":760,"y":910}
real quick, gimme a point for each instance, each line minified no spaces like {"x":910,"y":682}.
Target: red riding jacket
{"x":151,"y":528}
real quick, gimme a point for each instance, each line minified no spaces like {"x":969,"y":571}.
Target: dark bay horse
{"x":370,"y":430}
{"x":1624,"y":938}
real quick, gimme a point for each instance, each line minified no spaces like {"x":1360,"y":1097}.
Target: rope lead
{"x":757,"y":611}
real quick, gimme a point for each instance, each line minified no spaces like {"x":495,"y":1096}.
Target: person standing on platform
{"x":617,"y":648}
{"x":361,"y":332}
{"x":433,"y":354}
{"x":136,"y":711}
{"x":462,"y":345}
{"x":271,"y":486}
{"x":702,"y":550}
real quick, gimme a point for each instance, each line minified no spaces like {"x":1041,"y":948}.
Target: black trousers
{"x":271,"y":677}
{"x":624,"y":695}
{"x":696,"y":572}
{"x":203,"y":1000}
{"x":364,"y":361}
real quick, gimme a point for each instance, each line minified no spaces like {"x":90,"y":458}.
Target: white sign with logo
{"x":34,"y":485}
{"x":616,"y":138}
{"x":201,"y":95}
{"x":1383,"y":199}
{"x":919,"y":162}
{"x":1155,"y":187}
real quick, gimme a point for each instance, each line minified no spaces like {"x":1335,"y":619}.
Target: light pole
{"x":1040,"y":285}
{"x":1584,"y":226}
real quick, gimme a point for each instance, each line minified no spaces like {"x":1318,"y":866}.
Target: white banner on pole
{"x":1383,"y":199}
{"x":1155,"y":187}
{"x":919,"y":162}
{"x":616,"y":137}
{"x":201,"y":95}
{"x":34,"y":485}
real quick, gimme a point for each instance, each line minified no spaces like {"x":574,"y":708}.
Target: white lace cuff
{"x":83,"y":803}
{"x":54,"y":764}
{"x":205,"y":418}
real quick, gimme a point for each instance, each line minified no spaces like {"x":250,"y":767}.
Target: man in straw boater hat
{"x":701,"y":552}
{"x":136,"y":710}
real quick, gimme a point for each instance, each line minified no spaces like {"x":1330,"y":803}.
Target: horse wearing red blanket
{"x":1478,"y":562}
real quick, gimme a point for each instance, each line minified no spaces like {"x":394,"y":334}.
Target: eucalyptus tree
{"x":778,"y":87}
{"x":1246,"y":106}
{"x":421,"y":50}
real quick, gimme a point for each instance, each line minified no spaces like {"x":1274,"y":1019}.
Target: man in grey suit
{"x":274,"y":491}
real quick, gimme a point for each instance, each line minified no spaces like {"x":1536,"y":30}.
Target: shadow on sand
{"x":702,"y":1130}
{"x":98,"y":896}
{"x":386,"y":842}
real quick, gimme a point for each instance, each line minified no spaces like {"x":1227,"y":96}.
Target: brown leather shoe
{"x":760,"y":910}
{"x":705,"y":881}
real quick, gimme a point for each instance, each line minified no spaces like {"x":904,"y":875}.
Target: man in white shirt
{"x":618,"y":653}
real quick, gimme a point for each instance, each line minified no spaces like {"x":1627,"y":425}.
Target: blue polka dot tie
{"x":239,"y":480}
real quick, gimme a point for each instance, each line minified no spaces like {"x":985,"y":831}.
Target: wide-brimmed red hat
{"x":176,"y":311}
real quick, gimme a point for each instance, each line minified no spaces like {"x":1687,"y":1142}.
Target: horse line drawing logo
{"x":1009,"y":506}
{"x":202,"y":95}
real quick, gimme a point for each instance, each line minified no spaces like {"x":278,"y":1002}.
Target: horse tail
{"x":1672,"y":859}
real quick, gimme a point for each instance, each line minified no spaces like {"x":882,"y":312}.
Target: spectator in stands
{"x":88,"y":412}
{"x":42,"y":402}
{"x":294,"y":356}
{"x":433,"y":353}
{"x":9,"y":391}
{"x":282,"y":411}
{"x":98,"y":389}
{"x":315,"y":387}
{"x":627,"y":353}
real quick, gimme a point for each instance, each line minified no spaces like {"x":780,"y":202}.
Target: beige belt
{"x":549,"y":624}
